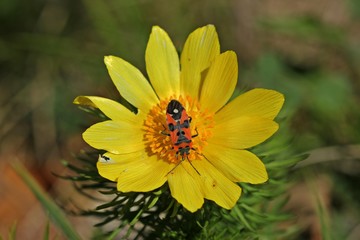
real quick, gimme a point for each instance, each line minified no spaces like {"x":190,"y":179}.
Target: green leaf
{"x":47,"y":231}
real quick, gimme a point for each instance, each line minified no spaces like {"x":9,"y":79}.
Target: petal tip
{"x":108,"y":60}
{"x":192,"y":210}
{"x":210,"y":27}
{"x":231,"y":53}
{"x":77,"y":100}
{"x":85,"y":101}
{"x":232,"y":57}
{"x":261,"y":180}
{"x":156,"y":28}
{"x":82,"y":100}
{"x":276,"y":126}
{"x":266,"y":178}
{"x":282,"y":97}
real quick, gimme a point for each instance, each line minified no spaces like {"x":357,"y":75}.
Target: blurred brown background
{"x":51,"y":51}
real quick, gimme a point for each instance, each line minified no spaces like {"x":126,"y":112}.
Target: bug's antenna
{"x":163,"y":132}
{"x":192,"y":165}
{"x":174,"y":167}
{"x":181,"y":162}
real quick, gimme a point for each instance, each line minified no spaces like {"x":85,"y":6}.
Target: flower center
{"x":157,"y":132}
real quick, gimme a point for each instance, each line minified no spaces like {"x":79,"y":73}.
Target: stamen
{"x":157,"y":137}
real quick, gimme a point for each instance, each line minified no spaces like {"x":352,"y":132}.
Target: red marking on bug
{"x":178,"y":123}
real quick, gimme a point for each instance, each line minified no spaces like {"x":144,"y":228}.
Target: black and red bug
{"x":178,"y":123}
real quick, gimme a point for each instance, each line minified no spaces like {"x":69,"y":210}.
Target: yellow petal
{"x":237,"y":165}
{"x":200,"y":49}
{"x":162,"y":64}
{"x":216,"y":186}
{"x":220,"y":82}
{"x":115,"y":137}
{"x":258,"y":102}
{"x":243,"y":132}
{"x":131,"y":84}
{"x":185,"y":187}
{"x":111,"y":165}
{"x":110,"y":108}
{"x":143,"y":175}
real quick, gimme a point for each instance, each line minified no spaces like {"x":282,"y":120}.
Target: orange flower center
{"x":157,"y":131}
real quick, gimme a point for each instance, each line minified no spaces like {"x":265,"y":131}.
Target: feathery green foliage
{"x":156,"y":215}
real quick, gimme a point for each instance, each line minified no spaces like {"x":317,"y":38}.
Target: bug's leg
{"x":174,"y":167}
{"x":190,"y":118}
{"x":192,"y":165}
{"x":176,"y":155}
{"x":163,"y":132}
{"x":197,"y":133}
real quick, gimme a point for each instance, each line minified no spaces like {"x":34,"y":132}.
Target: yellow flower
{"x":141,"y":158}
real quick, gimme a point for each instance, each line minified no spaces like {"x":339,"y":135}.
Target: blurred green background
{"x":52,"y":51}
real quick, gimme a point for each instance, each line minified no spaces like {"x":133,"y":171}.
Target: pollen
{"x":156,"y":131}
